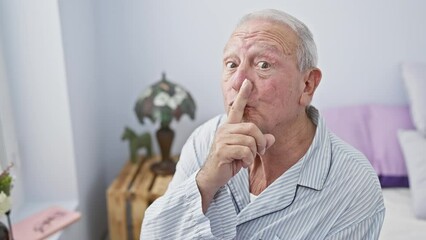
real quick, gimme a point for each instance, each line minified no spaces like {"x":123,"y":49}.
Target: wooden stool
{"x":137,"y":187}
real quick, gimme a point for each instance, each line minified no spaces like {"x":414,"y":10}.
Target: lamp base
{"x":165,"y":167}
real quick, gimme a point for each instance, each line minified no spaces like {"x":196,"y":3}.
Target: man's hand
{"x":235,"y":146}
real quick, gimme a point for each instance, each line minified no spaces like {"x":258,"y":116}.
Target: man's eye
{"x":263,"y":65}
{"x":231,"y":65}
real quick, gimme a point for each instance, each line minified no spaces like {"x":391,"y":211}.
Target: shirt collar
{"x":310,"y":171}
{"x":317,"y":160}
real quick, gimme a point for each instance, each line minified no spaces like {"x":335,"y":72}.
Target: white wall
{"x":36,"y":73}
{"x":78,"y":32}
{"x":360,"y":44}
{"x":50,"y":60}
{"x":9,"y":151}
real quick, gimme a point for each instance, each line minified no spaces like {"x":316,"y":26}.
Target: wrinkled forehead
{"x":276,"y":33}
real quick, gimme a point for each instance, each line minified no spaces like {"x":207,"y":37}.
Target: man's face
{"x":264,"y":52}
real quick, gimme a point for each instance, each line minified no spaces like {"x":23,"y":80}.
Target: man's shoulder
{"x":210,"y":126}
{"x":352,"y":170}
{"x":345,"y":155}
{"x":354,"y":182}
{"x":353,"y":173}
{"x":202,"y":137}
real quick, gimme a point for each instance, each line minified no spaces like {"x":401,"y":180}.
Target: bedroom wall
{"x":360,"y":44}
{"x":78,"y":33}
{"x":49,"y":52}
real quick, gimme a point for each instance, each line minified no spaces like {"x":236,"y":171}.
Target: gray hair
{"x":306,"y":50}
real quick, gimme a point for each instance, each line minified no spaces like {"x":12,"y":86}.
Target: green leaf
{"x":5,"y":184}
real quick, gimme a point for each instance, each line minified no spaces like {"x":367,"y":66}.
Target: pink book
{"x":43,"y":224}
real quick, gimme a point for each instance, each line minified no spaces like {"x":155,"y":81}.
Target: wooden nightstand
{"x":131,"y":192}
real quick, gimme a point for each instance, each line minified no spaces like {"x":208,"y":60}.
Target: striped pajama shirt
{"x":332,"y":192}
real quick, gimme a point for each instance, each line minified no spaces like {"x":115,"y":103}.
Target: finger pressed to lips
{"x":236,"y":111}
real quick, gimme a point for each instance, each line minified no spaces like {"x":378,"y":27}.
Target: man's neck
{"x":290,"y":146}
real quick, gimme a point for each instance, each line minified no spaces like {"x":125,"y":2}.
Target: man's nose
{"x":237,"y":83}
{"x":238,"y":78}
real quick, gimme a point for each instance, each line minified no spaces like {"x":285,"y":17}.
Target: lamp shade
{"x":163,"y":102}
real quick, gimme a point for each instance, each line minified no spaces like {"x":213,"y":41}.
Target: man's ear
{"x":310,"y":82}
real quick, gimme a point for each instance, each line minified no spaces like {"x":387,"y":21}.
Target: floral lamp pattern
{"x":164,"y":101}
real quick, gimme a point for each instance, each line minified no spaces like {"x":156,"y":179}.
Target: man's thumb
{"x":270,"y":140}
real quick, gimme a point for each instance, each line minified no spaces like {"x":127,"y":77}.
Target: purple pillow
{"x":351,"y":125}
{"x":372,"y":129}
{"x":389,"y":162}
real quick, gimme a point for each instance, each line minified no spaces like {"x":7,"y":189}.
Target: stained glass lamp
{"x":162,"y":102}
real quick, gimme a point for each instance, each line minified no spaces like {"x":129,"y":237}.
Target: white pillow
{"x":414,"y":75}
{"x":413,"y":145}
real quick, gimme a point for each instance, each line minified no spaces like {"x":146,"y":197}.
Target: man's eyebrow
{"x":229,"y":51}
{"x":227,"y":48}
{"x":268,"y":51}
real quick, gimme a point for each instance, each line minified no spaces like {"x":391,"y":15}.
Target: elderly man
{"x":269,"y":169}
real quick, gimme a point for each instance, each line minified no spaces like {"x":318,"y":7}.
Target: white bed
{"x":400,"y":222}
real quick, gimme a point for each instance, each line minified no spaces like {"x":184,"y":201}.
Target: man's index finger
{"x":236,"y":112}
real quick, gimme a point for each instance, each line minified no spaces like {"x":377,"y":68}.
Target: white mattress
{"x":400,"y":222}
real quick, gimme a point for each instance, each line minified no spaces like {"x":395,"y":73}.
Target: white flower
{"x":5,"y":203}
{"x":161,"y":99}
{"x":179,"y":96}
{"x":172,"y":103}
{"x":146,"y":93}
